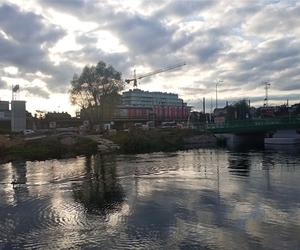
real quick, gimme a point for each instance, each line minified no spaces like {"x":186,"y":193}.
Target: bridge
{"x":255,"y":125}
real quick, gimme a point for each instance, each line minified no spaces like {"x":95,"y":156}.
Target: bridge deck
{"x":257,"y":125}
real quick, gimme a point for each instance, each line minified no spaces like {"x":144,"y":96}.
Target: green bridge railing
{"x":255,"y":125}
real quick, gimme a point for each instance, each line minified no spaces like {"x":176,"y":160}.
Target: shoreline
{"x":159,"y":140}
{"x":44,"y":148}
{"x":133,"y":142}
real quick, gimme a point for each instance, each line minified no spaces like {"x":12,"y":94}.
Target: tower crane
{"x":136,"y":78}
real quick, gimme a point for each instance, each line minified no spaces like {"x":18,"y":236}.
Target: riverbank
{"x":44,"y":148}
{"x":146,"y":141}
{"x":131,"y":142}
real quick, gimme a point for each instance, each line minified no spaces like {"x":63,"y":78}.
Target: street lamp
{"x":267,"y":86}
{"x":217,"y":84}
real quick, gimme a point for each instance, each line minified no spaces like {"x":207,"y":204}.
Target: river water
{"x":197,"y":199}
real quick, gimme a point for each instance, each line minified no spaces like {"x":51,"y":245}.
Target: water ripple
{"x":209,"y":199}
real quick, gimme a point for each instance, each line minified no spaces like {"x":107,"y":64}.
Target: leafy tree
{"x":242,"y":108}
{"x":238,"y":111}
{"x":96,"y":88}
{"x":56,"y":116}
{"x":296,"y":109}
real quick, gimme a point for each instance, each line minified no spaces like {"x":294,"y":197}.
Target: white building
{"x":142,"y":105}
{"x":18,"y":116}
{"x":140,"y":98}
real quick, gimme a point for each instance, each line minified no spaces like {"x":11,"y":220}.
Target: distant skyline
{"x":243,"y":43}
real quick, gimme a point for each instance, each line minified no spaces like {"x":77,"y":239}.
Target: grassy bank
{"x":132,"y":142}
{"x":48,"y":148}
{"x":141,"y":141}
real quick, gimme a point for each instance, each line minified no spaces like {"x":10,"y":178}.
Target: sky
{"x":242,"y":43}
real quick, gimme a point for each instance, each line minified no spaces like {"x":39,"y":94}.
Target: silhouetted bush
{"x":48,"y":148}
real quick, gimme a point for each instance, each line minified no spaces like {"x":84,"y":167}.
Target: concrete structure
{"x":284,"y":131}
{"x":143,"y":105}
{"x":18,"y":116}
{"x":236,"y":140}
{"x":4,"y":105}
{"x":284,"y":137}
{"x":5,"y":114}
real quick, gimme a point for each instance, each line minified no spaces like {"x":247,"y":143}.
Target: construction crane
{"x":136,"y":78}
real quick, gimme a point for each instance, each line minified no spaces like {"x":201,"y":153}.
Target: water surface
{"x":197,"y":199}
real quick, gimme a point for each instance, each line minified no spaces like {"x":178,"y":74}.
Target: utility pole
{"x":218,"y":83}
{"x":267,"y":86}
{"x":211,"y":109}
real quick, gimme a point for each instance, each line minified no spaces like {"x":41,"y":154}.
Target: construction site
{"x":139,"y":105}
{"x":136,"y":108}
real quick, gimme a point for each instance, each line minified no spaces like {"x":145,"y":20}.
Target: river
{"x":196,"y":199}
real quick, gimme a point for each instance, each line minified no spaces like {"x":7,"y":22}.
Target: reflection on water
{"x":239,"y":164}
{"x":100,"y":191}
{"x":198,"y":199}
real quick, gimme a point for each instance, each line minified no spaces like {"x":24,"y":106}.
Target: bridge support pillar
{"x":235,"y":140}
{"x":283,"y":137}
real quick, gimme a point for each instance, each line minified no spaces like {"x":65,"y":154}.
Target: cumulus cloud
{"x":36,"y":91}
{"x":240,"y":42}
{"x":88,"y":54}
{"x":26,"y":46}
{"x":3,"y":84}
{"x":27,"y":27}
{"x":273,"y":19}
{"x":180,"y":8}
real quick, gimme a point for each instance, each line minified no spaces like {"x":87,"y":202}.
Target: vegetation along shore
{"x":128,"y":142}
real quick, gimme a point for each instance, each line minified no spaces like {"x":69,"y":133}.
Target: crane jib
{"x":153,"y":73}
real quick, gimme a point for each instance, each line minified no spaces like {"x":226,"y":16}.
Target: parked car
{"x":168,"y":125}
{"x":28,"y":132}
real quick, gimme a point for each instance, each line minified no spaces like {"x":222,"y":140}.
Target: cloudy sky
{"x":241,"y":42}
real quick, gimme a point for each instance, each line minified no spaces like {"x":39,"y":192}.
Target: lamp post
{"x":267,"y":86}
{"x":217,"y":84}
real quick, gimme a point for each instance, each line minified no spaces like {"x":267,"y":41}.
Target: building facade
{"x":13,"y":119}
{"x":5,"y":113}
{"x":159,"y":106}
{"x":5,"y":116}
